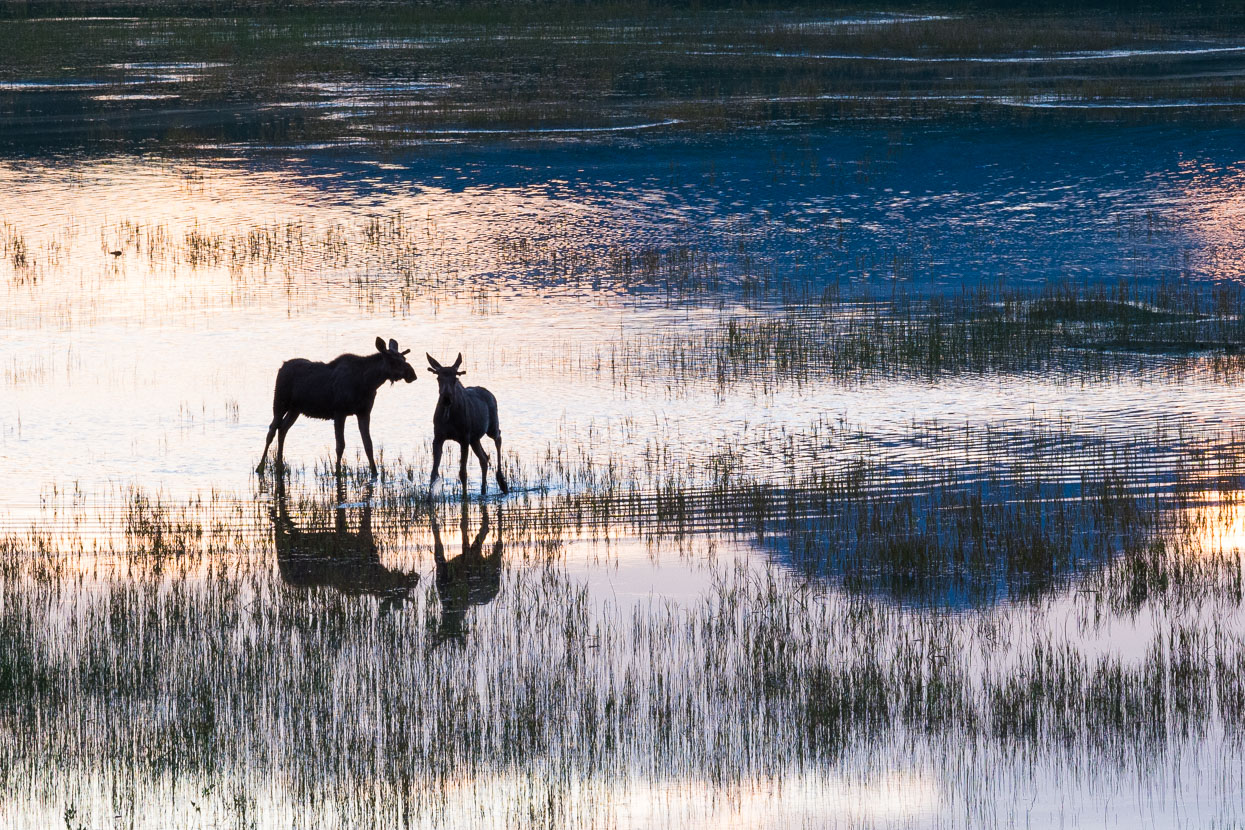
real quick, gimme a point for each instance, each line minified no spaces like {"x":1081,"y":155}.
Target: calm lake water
{"x":729,"y":587}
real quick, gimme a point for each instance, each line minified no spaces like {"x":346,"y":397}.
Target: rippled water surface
{"x":873,"y":432}
{"x":149,"y":302}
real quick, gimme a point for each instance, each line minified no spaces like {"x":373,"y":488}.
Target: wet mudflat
{"x":870,"y":392}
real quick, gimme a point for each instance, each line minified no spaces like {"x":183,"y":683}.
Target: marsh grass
{"x":966,"y":599}
{"x":204,"y":683}
{"x":774,"y":312}
{"x":1170,"y":330}
{"x":940,"y":504}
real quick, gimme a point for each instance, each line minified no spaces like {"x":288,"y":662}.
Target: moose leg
{"x":483,"y":456}
{"x":339,"y":431}
{"x":462,"y":467}
{"x":287,"y":421}
{"x":436,"y":464}
{"x":272,"y":433}
{"x":365,"y":432}
{"x":501,"y":479}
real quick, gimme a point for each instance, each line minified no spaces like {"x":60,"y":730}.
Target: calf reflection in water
{"x":471,"y":578}
{"x":346,"y":560}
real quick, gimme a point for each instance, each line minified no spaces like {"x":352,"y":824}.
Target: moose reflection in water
{"x":339,"y":558}
{"x":470,"y":578}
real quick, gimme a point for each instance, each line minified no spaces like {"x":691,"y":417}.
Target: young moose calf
{"x":334,"y":391}
{"x":465,"y":415}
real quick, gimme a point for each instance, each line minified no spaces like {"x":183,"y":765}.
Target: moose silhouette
{"x":464,"y":414}
{"x":334,"y":391}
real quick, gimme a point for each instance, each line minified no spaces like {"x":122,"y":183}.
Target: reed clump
{"x":203,"y":685}
{"x":1097,"y":332}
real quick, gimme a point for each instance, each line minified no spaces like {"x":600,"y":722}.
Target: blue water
{"x":912,"y":210}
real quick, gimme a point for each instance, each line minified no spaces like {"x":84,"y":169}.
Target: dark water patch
{"x":1113,"y":54}
{"x":1167,"y":347}
{"x":701,"y":72}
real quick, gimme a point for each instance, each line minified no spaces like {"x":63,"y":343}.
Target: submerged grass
{"x":970,"y":510}
{"x":846,"y":292}
{"x":555,"y":709}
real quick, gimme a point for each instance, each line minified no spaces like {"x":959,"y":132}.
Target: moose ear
{"x":431,"y":362}
{"x":380,"y":344}
{"x":459,"y":361}
{"x":405,"y":353}
{"x":393,"y":345}
{"x":460,"y":374}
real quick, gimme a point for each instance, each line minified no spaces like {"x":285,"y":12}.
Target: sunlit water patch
{"x":879,"y":19}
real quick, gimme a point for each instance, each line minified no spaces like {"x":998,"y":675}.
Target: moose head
{"x":396,"y":367}
{"x":447,"y":376}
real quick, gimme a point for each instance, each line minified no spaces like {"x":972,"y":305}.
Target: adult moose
{"x":463,"y":414}
{"x":334,"y":391}
{"x":339,"y":558}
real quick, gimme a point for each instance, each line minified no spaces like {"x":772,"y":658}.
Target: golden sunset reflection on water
{"x":193,"y":241}
{"x":1216,"y":194}
{"x":1219,"y":523}
{"x":795,"y":800}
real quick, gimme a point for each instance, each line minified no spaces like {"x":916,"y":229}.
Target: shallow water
{"x":724,"y":590}
{"x":154,"y":365}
